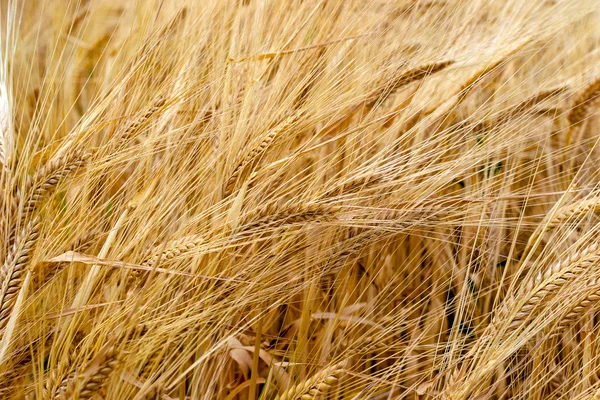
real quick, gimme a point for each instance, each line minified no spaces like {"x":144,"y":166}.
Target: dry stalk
{"x":4,"y":131}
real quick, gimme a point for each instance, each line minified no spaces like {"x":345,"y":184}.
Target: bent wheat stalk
{"x":4,"y":128}
{"x":567,"y":212}
{"x":397,"y":82}
{"x":404,"y":78}
{"x":271,"y":214}
{"x":520,"y":108}
{"x":582,"y":108}
{"x":134,"y":125}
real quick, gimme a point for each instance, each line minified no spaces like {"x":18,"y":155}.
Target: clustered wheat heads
{"x":223,"y":199}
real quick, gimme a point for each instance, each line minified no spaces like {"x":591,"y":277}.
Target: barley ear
{"x":316,"y":385}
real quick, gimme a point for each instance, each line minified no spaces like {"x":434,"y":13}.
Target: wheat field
{"x":300,"y":199}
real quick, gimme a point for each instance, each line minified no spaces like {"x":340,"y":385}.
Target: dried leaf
{"x":241,"y":356}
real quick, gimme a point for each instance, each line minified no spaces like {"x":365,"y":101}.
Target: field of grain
{"x":300,"y":199}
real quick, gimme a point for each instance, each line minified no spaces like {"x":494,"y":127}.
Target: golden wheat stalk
{"x":86,"y":384}
{"x":19,"y":362}
{"x":317,"y":385}
{"x":174,"y":249}
{"x":270,"y":215}
{"x":584,"y":103}
{"x":379,"y":95}
{"x":404,"y":78}
{"x":53,"y":389}
{"x":358,"y":216}
{"x":47,"y":178}
{"x":515,"y":310}
{"x":92,"y":376}
{"x":14,"y":268}
{"x":274,"y":215}
{"x":134,"y":125}
{"x":354,"y":184}
{"x":4,"y":132}
{"x":546,"y":283}
{"x":574,"y":210}
{"x":440,"y":112}
{"x":591,"y":300}
{"x":582,"y":108}
{"x":565,"y":213}
{"x":257,"y":152}
{"x":6,"y":116}
{"x":515,"y":111}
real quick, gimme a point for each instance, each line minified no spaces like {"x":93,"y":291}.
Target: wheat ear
{"x":546,"y":283}
{"x":174,"y":248}
{"x":14,"y":268}
{"x":591,"y":299}
{"x":574,"y":210}
{"x":582,"y":108}
{"x":381,"y":94}
{"x":563,"y":214}
{"x":531,"y":295}
{"x":518,"y":109}
{"x":405,"y":78}
{"x":354,"y":184}
{"x":273,"y":214}
{"x":136,"y":123}
{"x":316,"y":385}
{"x":585,"y":102}
{"x":258,"y":151}
{"x":53,"y":389}
{"x":46,"y":178}
{"x":86,"y":383}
